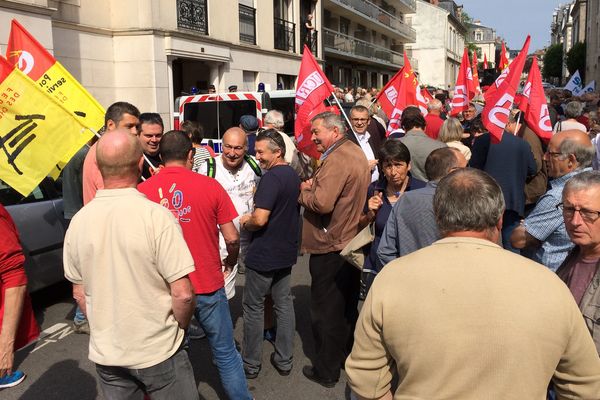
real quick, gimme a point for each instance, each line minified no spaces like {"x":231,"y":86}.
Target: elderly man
{"x":411,"y":224}
{"x":274,"y":120}
{"x":151,"y":131}
{"x":460,"y":319}
{"x":370,"y":143}
{"x":433,"y":121}
{"x":543,"y":232}
{"x":333,"y":200}
{"x":203,"y":208}
{"x":270,"y":256}
{"x":580,"y":208}
{"x":129,"y":265}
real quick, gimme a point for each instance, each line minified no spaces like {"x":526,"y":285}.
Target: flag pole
{"x":345,"y":116}
{"x":518,"y":123}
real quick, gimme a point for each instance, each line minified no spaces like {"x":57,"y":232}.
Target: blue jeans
{"x":212,"y":312}
{"x":79,"y":316}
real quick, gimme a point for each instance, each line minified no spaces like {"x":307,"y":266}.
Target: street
{"x":57,"y":366}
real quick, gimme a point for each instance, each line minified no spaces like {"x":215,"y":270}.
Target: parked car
{"x":40,"y":221}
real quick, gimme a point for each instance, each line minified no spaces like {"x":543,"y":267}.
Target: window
{"x":478,"y":36}
{"x":344,"y":25}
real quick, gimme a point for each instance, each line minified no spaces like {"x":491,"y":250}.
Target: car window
{"x":47,"y":190}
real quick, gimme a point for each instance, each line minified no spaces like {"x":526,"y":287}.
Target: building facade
{"x":148,"y":52}
{"x":484,"y":38}
{"x":592,"y":47}
{"x":561,"y":31}
{"x":363,"y":40}
{"x":440,"y":42}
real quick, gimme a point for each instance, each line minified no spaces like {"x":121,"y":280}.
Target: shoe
{"x":12,"y":380}
{"x":194,"y":331}
{"x":312,"y":375}
{"x":251,"y":375}
{"x":81,"y":327}
{"x":270,"y":335}
{"x":282,"y":372}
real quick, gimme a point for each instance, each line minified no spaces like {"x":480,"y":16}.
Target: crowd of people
{"x":480,"y":276}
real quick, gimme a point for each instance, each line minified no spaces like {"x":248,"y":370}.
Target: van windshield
{"x":216,"y":121}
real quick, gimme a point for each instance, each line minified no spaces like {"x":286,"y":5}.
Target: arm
{"x":389,"y":248}
{"x":373,"y":205}
{"x":539,"y":224}
{"x":520,"y":238}
{"x":79,"y":296}
{"x":326,"y":188}
{"x":232,"y":242}
{"x":255,"y":221}
{"x":182,"y":300}
{"x":13,"y":308}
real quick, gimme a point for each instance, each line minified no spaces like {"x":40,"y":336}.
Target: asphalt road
{"x":57,"y":366}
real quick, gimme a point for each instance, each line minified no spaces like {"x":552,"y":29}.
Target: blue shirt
{"x":546,"y":224}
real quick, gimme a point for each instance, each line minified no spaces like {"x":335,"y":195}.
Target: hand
{"x":375,"y":201}
{"x":306,"y":185}
{"x":227,"y":267}
{"x":244,"y":218}
{"x":372,"y":164}
{"x":6,"y":359}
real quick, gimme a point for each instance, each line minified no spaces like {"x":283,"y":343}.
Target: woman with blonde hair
{"x":451,"y":133}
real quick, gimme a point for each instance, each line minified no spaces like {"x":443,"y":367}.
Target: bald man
{"x":239,"y":174}
{"x":543,"y":234}
{"x":129,"y":265}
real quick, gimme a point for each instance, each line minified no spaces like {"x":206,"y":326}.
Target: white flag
{"x":574,"y":84}
{"x":588,"y":89}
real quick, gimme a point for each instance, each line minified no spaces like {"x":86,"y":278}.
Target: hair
{"x":175,"y":146}
{"x":116,"y":111}
{"x":275,"y":118}
{"x":412,"y":118}
{"x":123,"y":160}
{"x":360,"y":109}
{"x":467,"y":199}
{"x":393,"y":150}
{"x":476,"y":126}
{"x":434,"y":104}
{"x":194,"y":130}
{"x":366,"y":103}
{"x":274,"y":139}
{"x":583,"y":154}
{"x":451,"y":131}
{"x":582,"y":181}
{"x":573,"y":109}
{"x":515,"y":116}
{"x":151,"y":119}
{"x":440,"y":162}
{"x":330,"y":120}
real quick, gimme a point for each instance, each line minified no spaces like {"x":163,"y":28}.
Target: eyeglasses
{"x":553,"y":153}
{"x":360,"y":119}
{"x":586,"y":215}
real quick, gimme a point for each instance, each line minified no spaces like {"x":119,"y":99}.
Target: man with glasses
{"x":580,"y":205}
{"x":542,"y":233}
{"x":369,"y":143}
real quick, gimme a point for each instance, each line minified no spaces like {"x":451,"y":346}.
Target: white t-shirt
{"x":363,"y":141}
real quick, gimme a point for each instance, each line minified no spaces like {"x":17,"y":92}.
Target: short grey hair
{"x":468,"y":200}
{"x":583,"y":154}
{"x":330,"y":120}
{"x":367,"y":104}
{"x":451,"y":131}
{"x":434,"y":104}
{"x":573,"y":109}
{"x":275,"y":118}
{"x":582,"y":181}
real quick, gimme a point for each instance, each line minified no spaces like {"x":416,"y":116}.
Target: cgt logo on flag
{"x":26,"y":61}
{"x":392,"y":94}
{"x":312,"y":82}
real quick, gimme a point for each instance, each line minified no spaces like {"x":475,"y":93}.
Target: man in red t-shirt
{"x":433,"y":121}
{"x":15,"y":330}
{"x":203,"y":207}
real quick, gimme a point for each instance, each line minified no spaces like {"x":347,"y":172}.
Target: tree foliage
{"x":553,"y":62}
{"x":576,"y":59}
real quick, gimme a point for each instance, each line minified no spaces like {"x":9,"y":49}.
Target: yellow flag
{"x":36,"y":132}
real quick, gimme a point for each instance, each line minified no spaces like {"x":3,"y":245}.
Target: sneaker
{"x":82,"y":327}
{"x":194,"y":331}
{"x":12,"y":380}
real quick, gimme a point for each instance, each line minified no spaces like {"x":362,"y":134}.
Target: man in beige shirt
{"x":129,"y":265}
{"x":465,"y":319}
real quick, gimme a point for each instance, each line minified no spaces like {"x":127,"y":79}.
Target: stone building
{"x":485,"y":39}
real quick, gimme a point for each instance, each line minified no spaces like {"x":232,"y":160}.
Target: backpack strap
{"x":253,"y":164}
{"x":211,"y":167}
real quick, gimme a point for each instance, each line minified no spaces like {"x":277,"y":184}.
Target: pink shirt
{"x":92,"y":179}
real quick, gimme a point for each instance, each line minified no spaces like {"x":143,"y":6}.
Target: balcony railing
{"x":378,"y":14}
{"x":247,"y":24}
{"x":285,"y":35}
{"x":191,"y":14}
{"x":311,"y":39}
{"x":352,"y":46}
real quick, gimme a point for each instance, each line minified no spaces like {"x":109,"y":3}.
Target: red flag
{"x":313,"y":89}
{"x":426,"y":95}
{"x":503,"y":60}
{"x":533,"y":104}
{"x":500,"y":96}
{"x":387,"y":96}
{"x":475,"y":71}
{"x":485,"y":65}
{"x":464,"y":90}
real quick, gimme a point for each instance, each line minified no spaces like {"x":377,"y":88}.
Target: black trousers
{"x":333,"y":307}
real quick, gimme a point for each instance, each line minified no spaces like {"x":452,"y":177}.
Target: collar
{"x":332,"y":148}
{"x":560,"y":181}
{"x":467,"y":240}
{"x":364,"y":138}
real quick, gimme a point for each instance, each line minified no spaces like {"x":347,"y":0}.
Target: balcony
{"x":285,"y":35}
{"x":309,"y":39}
{"x":353,"y":49}
{"x":406,"y":6}
{"x":247,"y":24}
{"x":192,"y":15}
{"x":376,"y":16}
